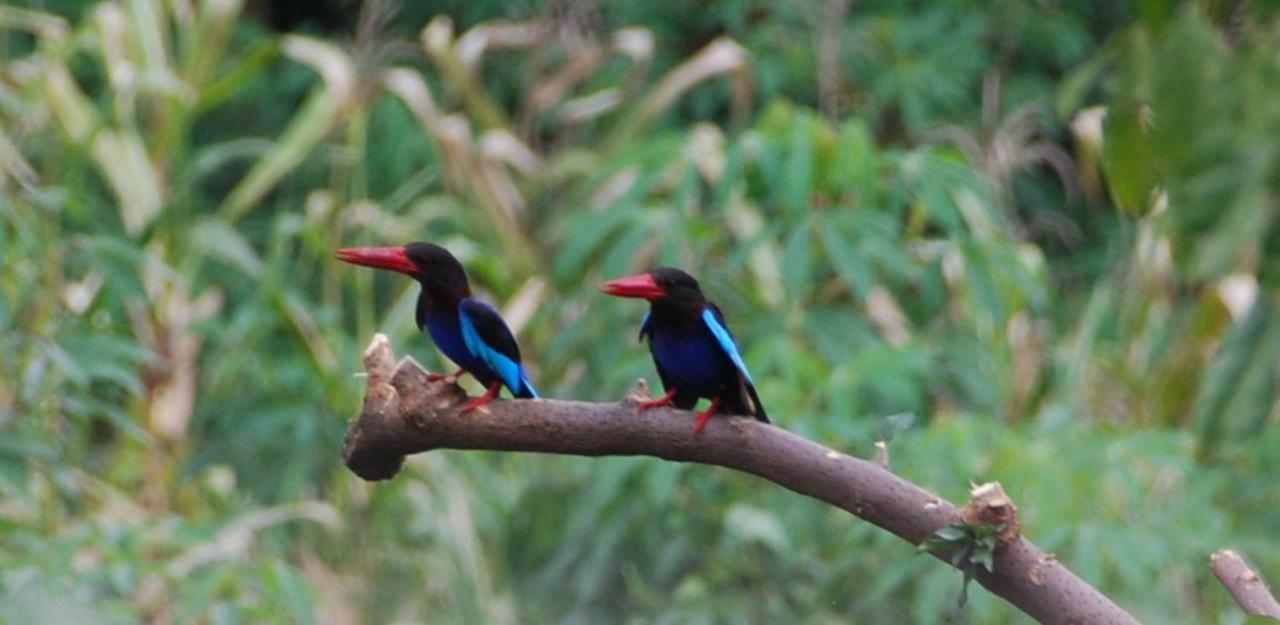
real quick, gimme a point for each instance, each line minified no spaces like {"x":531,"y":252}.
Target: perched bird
{"x":692,"y":347}
{"x":470,"y":332}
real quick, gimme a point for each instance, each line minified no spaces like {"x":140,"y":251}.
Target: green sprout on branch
{"x":965,"y":546}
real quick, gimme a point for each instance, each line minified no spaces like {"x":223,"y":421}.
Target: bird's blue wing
{"x":750,"y":401}
{"x":715,"y":322}
{"x":645,"y":328}
{"x":488,"y":338}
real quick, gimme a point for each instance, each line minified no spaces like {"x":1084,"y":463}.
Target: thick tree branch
{"x":404,"y":413}
{"x":1248,"y":588}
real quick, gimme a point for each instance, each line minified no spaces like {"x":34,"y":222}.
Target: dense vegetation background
{"x":1047,"y":229}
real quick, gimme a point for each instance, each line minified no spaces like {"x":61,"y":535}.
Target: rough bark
{"x":405,"y":413}
{"x":1245,"y":585}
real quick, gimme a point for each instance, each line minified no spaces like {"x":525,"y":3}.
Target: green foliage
{"x":885,"y":240}
{"x":966,"y":547}
{"x":1189,"y":147}
{"x":1194,"y":125}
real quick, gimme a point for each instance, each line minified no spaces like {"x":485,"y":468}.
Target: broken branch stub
{"x":988,"y":505}
{"x":398,"y":398}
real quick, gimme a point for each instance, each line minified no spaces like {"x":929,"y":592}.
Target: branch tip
{"x":1245,"y":585}
{"x":378,"y":359}
{"x":379,"y":341}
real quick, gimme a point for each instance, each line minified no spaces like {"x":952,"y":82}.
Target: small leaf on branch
{"x":965,"y":545}
{"x":895,"y":424}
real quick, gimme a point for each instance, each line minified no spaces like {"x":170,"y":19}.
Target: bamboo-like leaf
{"x":451,"y":132}
{"x":526,"y":301}
{"x":455,"y":63}
{"x":797,"y":175}
{"x":123,"y":161}
{"x":750,"y":523}
{"x":334,"y":65}
{"x":472,"y":45}
{"x":320,"y":114}
{"x":148,"y":32}
{"x":204,"y":43}
{"x":309,"y":126}
{"x":300,"y":316}
{"x":242,"y":72}
{"x":841,"y":253}
{"x":112,"y":37}
{"x":590,"y":106}
{"x":292,"y":593}
{"x":1238,"y":392}
{"x":746,"y":223}
{"x":48,"y":26}
{"x":638,"y":45}
{"x":797,"y":262}
{"x":410,"y":87}
{"x":74,"y":112}
{"x":721,"y":56}
{"x":13,"y":166}
{"x":502,"y":146}
{"x":219,"y":240}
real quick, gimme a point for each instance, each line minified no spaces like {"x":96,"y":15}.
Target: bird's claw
{"x":453,"y":377}
{"x":665,"y":400}
{"x":705,"y":415}
{"x":476,"y":403}
{"x":488,"y":396}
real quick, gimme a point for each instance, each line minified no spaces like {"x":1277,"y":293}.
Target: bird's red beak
{"x":641,"y":286}
{"x":392,"y":258}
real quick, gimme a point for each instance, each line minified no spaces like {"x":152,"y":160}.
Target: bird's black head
{"x":440,"y":274}
{"x":677,"y":284}
{"x":664,"y":284}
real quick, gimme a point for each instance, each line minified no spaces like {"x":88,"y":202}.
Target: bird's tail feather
{"x":745,"y":402}
{"x":526,"y":390}
{"x":755,"y":399}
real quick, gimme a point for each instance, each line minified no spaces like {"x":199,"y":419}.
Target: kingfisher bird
{"x":693,"y":350}
{"x":470,"y":332}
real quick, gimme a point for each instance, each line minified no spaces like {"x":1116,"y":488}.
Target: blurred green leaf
{"x":749,"y":523}
{"x":292,"y":593}
{"x":894,"y":425}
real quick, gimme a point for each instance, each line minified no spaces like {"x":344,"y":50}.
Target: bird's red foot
{"x":705,"y":415}
{"x":436,"y":377}
{"x":488,"y":396}
{"x":665,"y":400}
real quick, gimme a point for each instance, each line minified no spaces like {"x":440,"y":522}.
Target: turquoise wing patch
{"x":715,"y":323}
{"x":508,"y":370}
